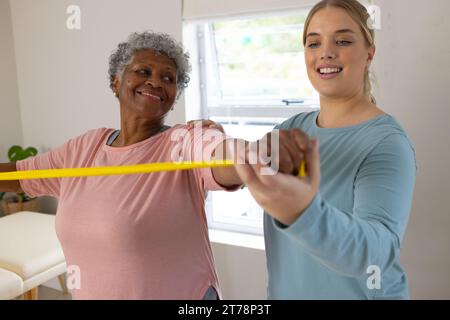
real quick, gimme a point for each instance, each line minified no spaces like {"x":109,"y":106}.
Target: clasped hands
{"x":273,"y":178}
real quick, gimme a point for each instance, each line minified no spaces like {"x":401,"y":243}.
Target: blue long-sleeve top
{"x":353,"y":229}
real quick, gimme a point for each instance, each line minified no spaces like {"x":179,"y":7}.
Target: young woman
{"x":337,"y":233}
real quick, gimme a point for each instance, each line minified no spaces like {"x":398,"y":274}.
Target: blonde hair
{"x":360,"y":15}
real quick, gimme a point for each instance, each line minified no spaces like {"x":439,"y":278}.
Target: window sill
{"x":237,"y":239}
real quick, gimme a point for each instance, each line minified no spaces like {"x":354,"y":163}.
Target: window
{"x":249,"y":75}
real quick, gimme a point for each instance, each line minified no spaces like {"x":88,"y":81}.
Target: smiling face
{"x":148,"y":86}
{"x":337,"y":54}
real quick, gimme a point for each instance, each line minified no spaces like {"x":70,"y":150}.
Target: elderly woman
{"x":141,"y":236}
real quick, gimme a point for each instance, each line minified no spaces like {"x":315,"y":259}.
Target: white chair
{"x":30,"y":249}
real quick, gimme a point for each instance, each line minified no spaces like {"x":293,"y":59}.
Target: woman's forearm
{"x":228,"y":150}
{"x":9,"y":186}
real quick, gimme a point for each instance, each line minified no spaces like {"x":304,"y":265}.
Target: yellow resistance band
{"x":116,"y":170}
{"x":302,"y":170}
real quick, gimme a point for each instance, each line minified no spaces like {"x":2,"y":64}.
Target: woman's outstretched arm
{"x":12,"y":185}
{"x":345,"y":242}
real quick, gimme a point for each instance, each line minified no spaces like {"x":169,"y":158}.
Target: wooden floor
{"x":46,"y":293}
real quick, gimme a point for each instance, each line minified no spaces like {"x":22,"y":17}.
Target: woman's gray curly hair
{"x":160,"y":42}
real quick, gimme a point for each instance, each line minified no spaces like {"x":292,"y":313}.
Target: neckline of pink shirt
{"x":107,"y":148}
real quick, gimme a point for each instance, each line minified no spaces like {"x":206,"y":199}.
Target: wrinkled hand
{"x":206,"y":124}
{"x":287,"y":153}
{"x":284,"y":196}
{"x":285,"y":156}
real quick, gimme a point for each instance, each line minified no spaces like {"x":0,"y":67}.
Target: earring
{"x":116,"y":94}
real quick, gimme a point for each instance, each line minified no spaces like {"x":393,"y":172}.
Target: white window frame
{"x":196,"y":94}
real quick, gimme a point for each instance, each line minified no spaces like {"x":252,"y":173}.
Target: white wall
{"x":10,"y":123}
{"x":62,"y":74}
{"x":412,"y":67}
{"x":200,"y":9}
{"x":242,"y":272}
